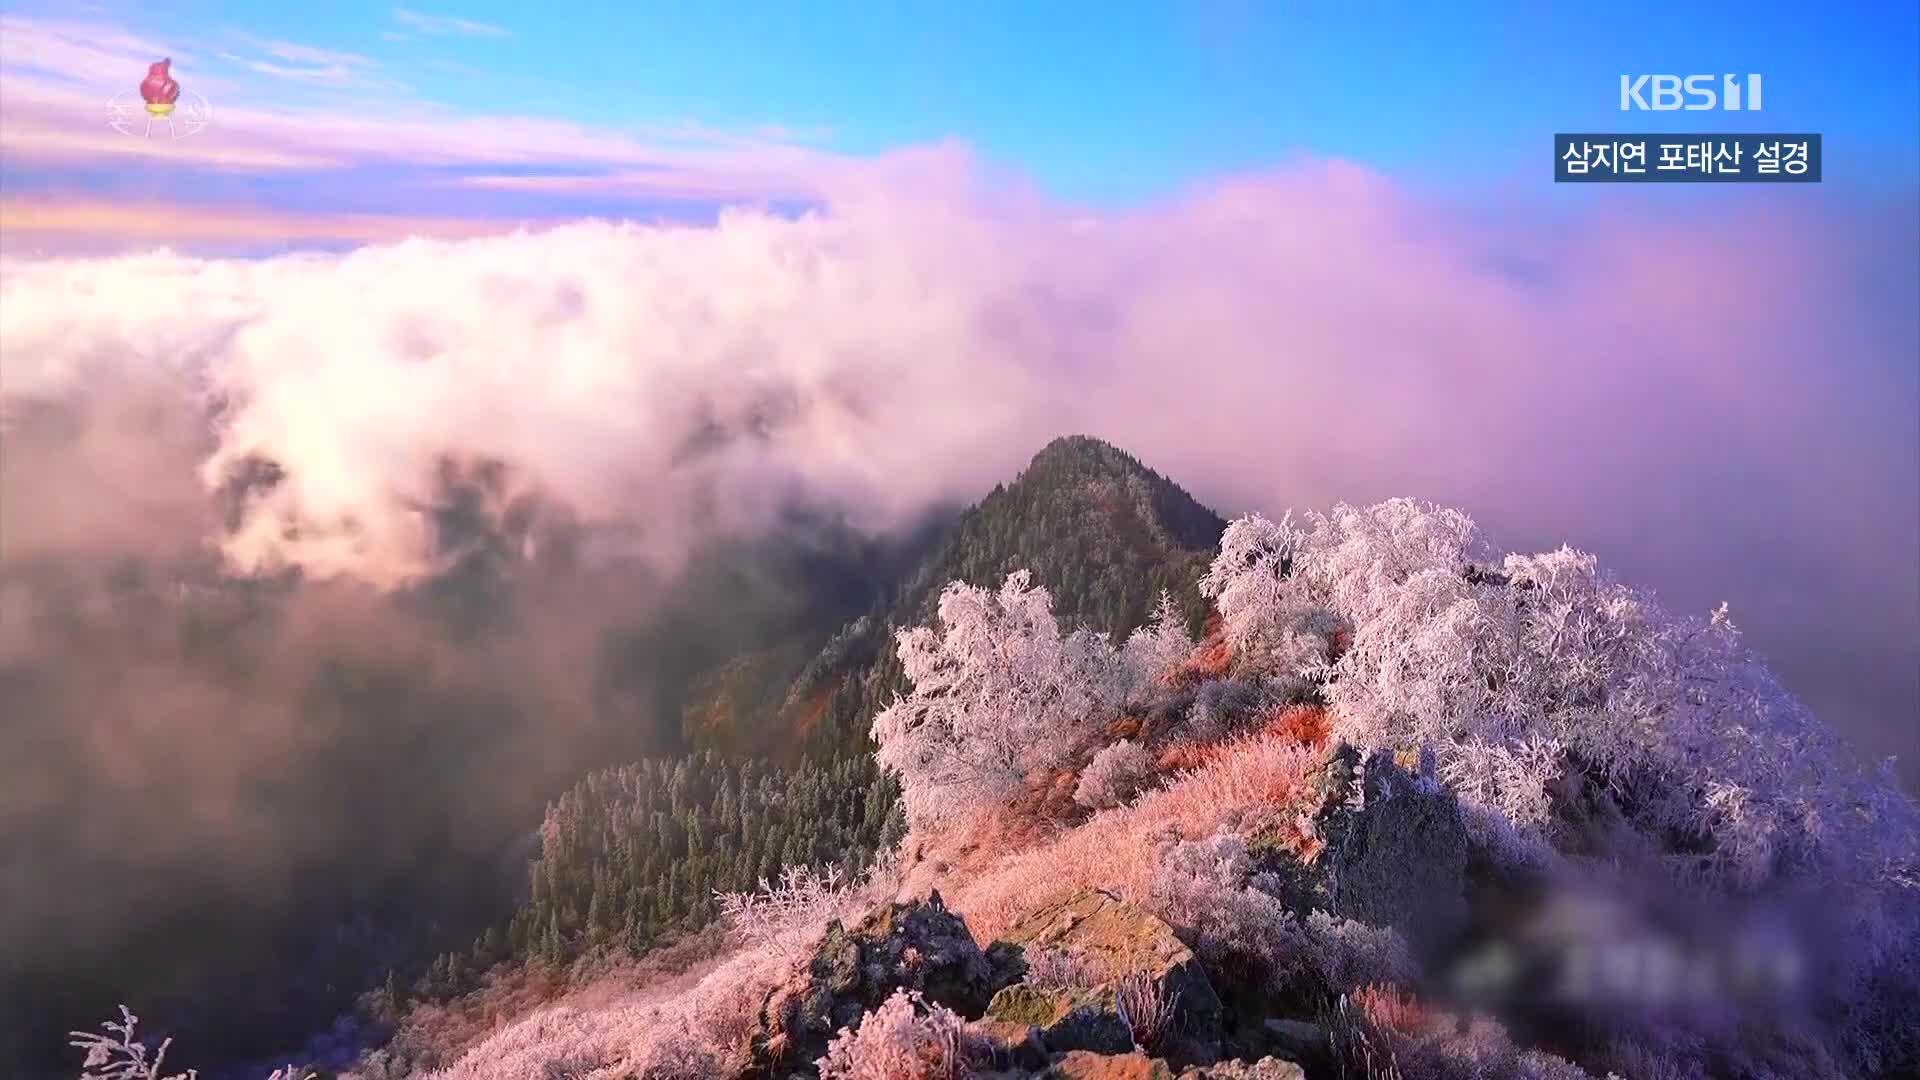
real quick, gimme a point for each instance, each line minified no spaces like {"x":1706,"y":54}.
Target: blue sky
{"x":1116,"y":100}
{"x":1107,"y":105}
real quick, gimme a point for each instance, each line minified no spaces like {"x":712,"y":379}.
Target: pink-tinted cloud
{"x":56,"y":77}
{"x":1711,"y":404}
{"x":62,"y":225}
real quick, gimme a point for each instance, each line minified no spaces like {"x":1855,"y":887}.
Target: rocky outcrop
{"x":1087,"y":1065}
{"x":1066,"y":1018}
{"x":918,"y":946}
{"x":1403,"y":859}
{"x":1395,"y":856}
{"x":1129,"y":961}
{"x":1090,"y":987}
{"x":1012,"y":1048}
{"x":1269,"y":1068}
{"x":1294,"y":1041}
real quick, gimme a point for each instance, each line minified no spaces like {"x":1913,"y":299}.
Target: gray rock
{"x":1088,"y":1065}
{"x":1402,"y":861}
{"x":1397,"y":859}
{"x":1112,"y":938}
{"x":1296,"y":1039}
{"x":917,"y":946}
{"x":1065,"y":1018}
{"x":1267,"y":1068}
{"x":1013,"y":1047}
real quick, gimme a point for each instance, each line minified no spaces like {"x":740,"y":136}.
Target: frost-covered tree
{"x":1209,"y":891}
{"x":1272,"y":618}
{"x":906,"y":1038}
{"x":114,"y":1054}
{"x":1529,"y":672}
{"x":1155,"y":649}
{"x":999,"y":692}
{"x":1114,"y":776}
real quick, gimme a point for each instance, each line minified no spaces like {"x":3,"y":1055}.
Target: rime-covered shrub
{"x":786,"y":916}
{"x":114,"y":1054}
{"x":1153,"y":652}
{"x":1271,"y":618}
{"x":1114,"y":776}
{"x":1150,"y":1012}
{"x":1222,"y":705}
{"x":1416,"y":1045}
{"x":1352,"y":954}
{"x":1535,"y":669}
{"x":1234,"y":919}
{"x":1205,"y":890}
{"x":1058,"y":969}
{"x":999,"y":693}
{"x":906,"y":1038}
{"x":780,"y":914}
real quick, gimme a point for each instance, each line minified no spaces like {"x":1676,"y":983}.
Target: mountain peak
{"x":1078,"y":466}
{"x":1102,"y":532}
{"x":1088,"y":456}
{"x":1099,"y":530}
{"x":1088,"y":447}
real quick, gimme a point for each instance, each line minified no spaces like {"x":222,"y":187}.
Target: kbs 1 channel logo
{"x":1698,"y":157}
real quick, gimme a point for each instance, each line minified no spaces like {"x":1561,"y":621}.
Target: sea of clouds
{"x":1722,"y":404}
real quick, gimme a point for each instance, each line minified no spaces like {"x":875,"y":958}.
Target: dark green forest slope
{"x":1102,"y":532}
{"x":782,"y":770}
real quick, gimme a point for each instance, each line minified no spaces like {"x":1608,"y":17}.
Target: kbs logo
{"x":1665,"y":93}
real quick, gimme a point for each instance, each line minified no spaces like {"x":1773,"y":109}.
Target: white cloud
{"x":55,"y":78}
{"x":443,"y":25}
{"x":1282,"y":340}
{"x":306,"y":54}
{"x":317,"y":67}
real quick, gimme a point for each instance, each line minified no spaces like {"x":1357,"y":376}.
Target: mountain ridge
{"x":634,"y":852}
{"x":1101,"y":531}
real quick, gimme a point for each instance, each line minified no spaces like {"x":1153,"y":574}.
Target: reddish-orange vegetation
{"x":1030,"y":817}
{"x":1057,"y":795}
{"x":1304,"y":724}
{"x":1340,"y":642}
{"x":1114,"y":849}
{"x":813,"y":707}
{"x":1393,"y":1010}
{"x":513,"y":990}
{"x":1187,"y":756}
{"x":1307,"y":848}
{"x":1124,"y":727}
{"x":1297,"y":835}
{"x":1211,"y":659}
{"x":510,"y":991}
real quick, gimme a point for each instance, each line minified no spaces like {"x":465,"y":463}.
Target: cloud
{"x":81,"y":53}
{"x":1654,"y":390}
{"x":337,"y":76}
{"x":318,"y":67}
{"x":306,"y":54}
{"x":444,"y":25}
{"x":56,"y":77}
{"x":69,"y":224}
